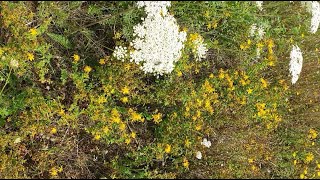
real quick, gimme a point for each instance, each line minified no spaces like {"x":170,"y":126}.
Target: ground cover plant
{"x":159,"y":89}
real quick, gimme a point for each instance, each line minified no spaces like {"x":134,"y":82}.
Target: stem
{"x":7,"y":80}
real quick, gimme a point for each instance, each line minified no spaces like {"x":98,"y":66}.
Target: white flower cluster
{"x":295,"y":63}
{"x":259,"y":5}
{"x":315,"y":20}
{"x":257,"y":31}
{"x":158,"y":42}
{"x":120,"y":53}
{"x":153,"y":8}
{"x":14,"y":63}
{"x":199,"y":48}
{"x":206,"y":143}
{"x":313,"y":7}
{"x":199,"y":155}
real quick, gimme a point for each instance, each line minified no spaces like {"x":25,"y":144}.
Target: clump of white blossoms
{"x":295,"y":63}
{"x":158,"y":42}
{"x":313,"y":7}
{"x":199,"y":155}
{"x":14,"y":63}
{"x":120,"y":53}
{"x":206,"y":143}
{"x":154,"y":7}
{"x":257,"y":32}
{"x":315,"y":20}
{"x":259,"y":5}
{"x":199,"y":48}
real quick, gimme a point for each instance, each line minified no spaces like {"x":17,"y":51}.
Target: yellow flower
{"x":211,"y":76}
{"x":271,"y":63}
{"x":187,"y":143}
{"x":179,"y":73}
{"x":117,"y":35}
{"x":260,"y":45}
{"x":253,"y":167}
{"x":249,"y":91}
{"x":125,"y":90}
{"x":157,"y":118}
{"x":209,"y":26}
{"x":53,"y":171}
{"x":249,"y":41}
{"x":30,"y":56}
{"x":127,"y":141}
{"x":122,"y":126}
{"x":184,"y":29}
{"x":214,"y":24}
{"x":53,"y":130}
{"x":185,"y":163}
{"x":198,"y":127}
{"x":76,"y":57}
{"x":264,"y":83}
{"x":301,"y":176}
{"x":97,"y":137}
{"x":312,"y":134}
{"x":250,"y":160}
{"x":309,"y":157}
{"x":33,"y":31}
{"x":106,"y":130}
{"x":124,"y":99}
{"x":87,"y":69}
{"x":102,"y":61}
{"x":295,"y":162}
{"x":133,"y":135}
{"x":168,"y":148}
{"x":194,"y":36}
{"x":127,"y":67}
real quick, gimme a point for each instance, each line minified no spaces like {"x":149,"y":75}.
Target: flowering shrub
{"x":158,"y":89}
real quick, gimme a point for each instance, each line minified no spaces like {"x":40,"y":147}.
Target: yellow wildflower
{"x":179,"y":73}
{"x":187,"y":143}
{"x":249,"y":91}
{"x":157,"y":118}
{"x":198,"y":127}
{"x":185,"y":163}
{"x":33,"y":31}
{"x":106,"y":130}
{"x":168,"y":148}
{"x":30,"y":56}
{"x":53,"y":130}
{"x":125,"y":90}
{"x":128,"y":141}
{"x":76,"y":57}
{"x":309,"y":157}
{"x":263,"y":82}
{"x":260,"y":45}
{"x":102,"y":61}
{"x":249,"y":41}
{"x":87,"y":69}
{"x":133,"y":135}
{"x":124,"y":99}
{"x":312,"y":134}
{"x":97,"y":137}
{"x":301,"y":176}
{"x":250,"y":160}
{"x":53,"y":171}
{"x":122,"y":126}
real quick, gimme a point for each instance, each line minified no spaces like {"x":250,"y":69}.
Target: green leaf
{"x":63,"y":41}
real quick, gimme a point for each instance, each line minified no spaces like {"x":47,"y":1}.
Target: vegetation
{"x":70,"y":109}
